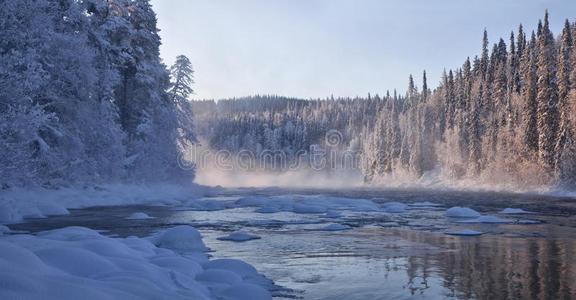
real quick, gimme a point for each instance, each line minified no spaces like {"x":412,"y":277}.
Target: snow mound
{"x":527,"y":222}
{"x":246,"y":271}
{"x":465,"y":232}
{"x":462,"y":212}
{"x":239,"y":237}
{"x":515,"y":211}
{"x":486,"y":219}
{"x":394,"y":207}
{"x":182,"y":238}
{"x":79,"y":263}
{"x":333,"y":227}
{"x":139,"y":216}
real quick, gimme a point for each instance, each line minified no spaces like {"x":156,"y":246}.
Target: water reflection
{"x":493,"y":267}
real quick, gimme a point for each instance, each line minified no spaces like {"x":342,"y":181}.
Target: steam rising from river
{"x":296,"y":178}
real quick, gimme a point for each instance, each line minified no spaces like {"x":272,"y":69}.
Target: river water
{"x":385,"y":255}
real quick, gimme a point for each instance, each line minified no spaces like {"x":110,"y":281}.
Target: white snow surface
{"x":17,"y":204}
{"x":79,"y":263}
{"x":462,"y":212}
{"x":239,"y":237}
{"x":139,"y":216}
{"x":465,"y":232}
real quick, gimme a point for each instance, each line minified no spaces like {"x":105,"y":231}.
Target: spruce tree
{"x":547,"y":98}
{"x":529,"y":93}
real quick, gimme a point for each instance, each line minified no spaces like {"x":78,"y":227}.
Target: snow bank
{"x":17,"y":204}
{"x":462,"y":212}
{"x":465,"y":232}
{"x":239,"y":237}
{"x":139,"y":216}
{"x":515,"y":211}
{"x":79,"y":263}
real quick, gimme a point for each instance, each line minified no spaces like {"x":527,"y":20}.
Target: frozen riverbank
{"x":18,"y":204}
{"x":80,"y":263}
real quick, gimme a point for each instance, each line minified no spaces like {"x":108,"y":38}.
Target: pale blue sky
{"x":315,"y":48}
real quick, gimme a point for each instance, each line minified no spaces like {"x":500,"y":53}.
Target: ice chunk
{"x":239,"y":237}
{"x":514,"y":211}
{"x":527,"y":222}
{"x":333,"y":227}
{"x":394,"y":207}
{"x":462,"y":212}
{"x":465,"y":232}
{"x":139,"y":216}
{"x":486,"y":219}
{"x":180,"y":239}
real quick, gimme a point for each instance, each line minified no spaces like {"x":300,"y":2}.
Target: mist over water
{"x":353,"y":179}
{"x":296,"y":178}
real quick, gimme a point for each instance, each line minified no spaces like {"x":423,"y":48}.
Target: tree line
{"x":506,"y":115}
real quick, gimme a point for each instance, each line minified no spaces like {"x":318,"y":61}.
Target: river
{"x":384,"y":255}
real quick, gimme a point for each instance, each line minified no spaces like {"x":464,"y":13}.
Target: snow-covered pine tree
{"x":566,"y":144}
{"x":547,"y":98}
{"x":529,"y":94}
{"x":181,"y":74}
